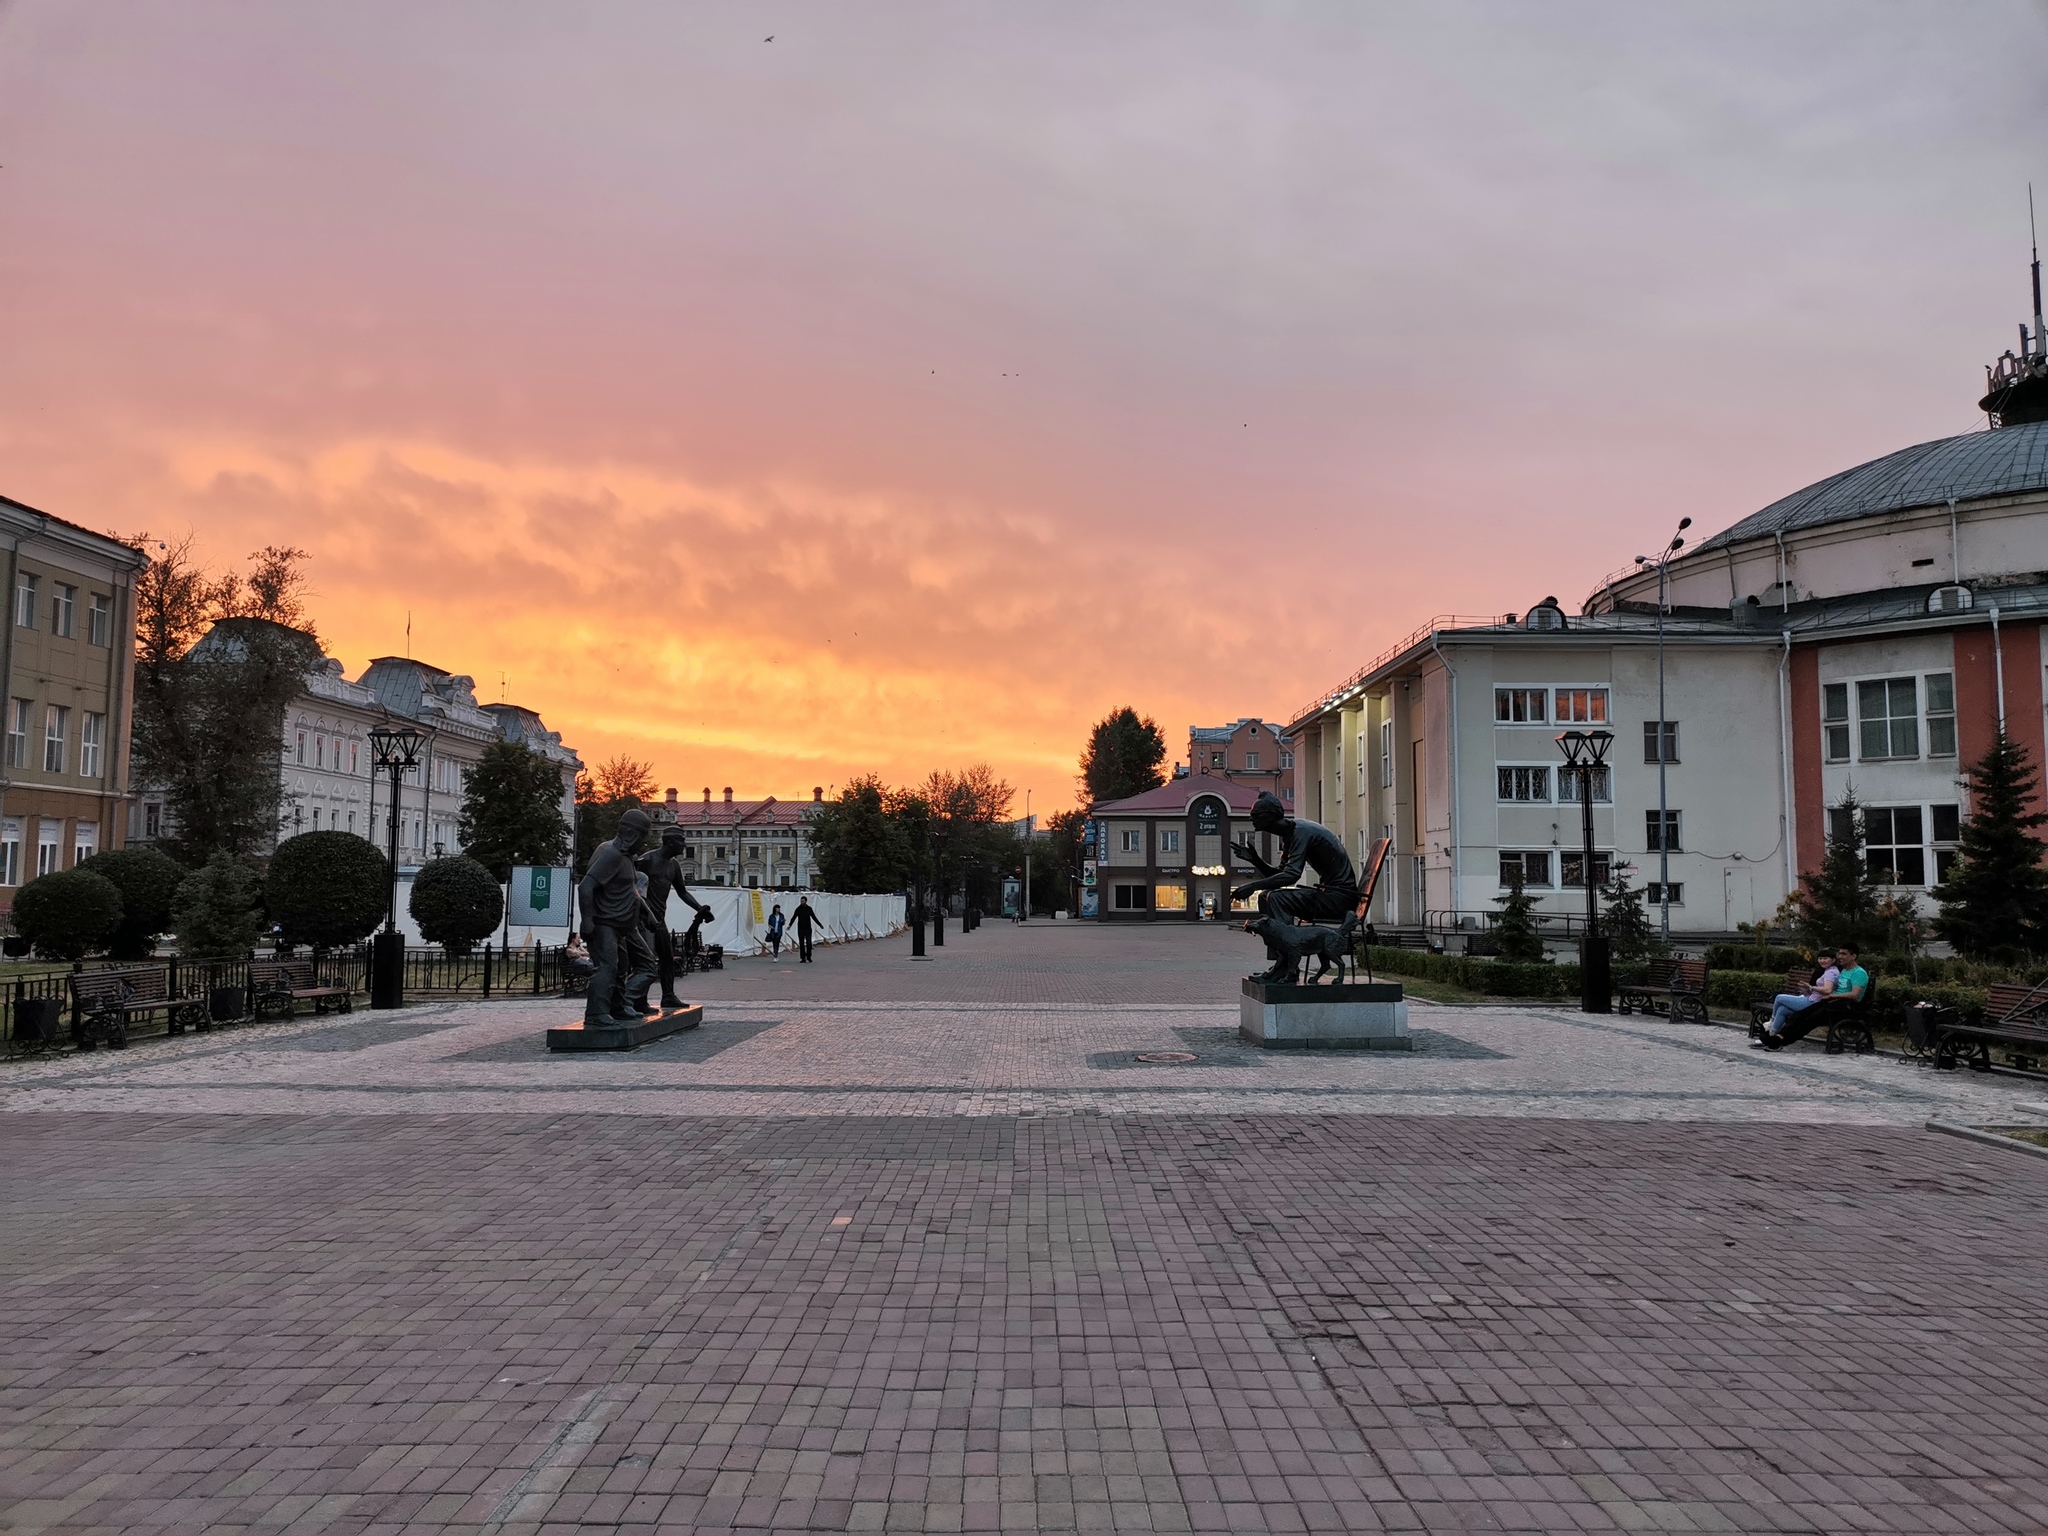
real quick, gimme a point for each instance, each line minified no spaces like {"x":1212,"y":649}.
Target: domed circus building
{"x":1871,"y":632}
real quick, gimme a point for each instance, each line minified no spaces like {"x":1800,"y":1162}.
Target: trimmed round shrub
{"x":69,"y":914}
{"x":326,"y":889}
{"x":148,"y":882}
{"x":457,"y":903}
{"x":218,"y":912}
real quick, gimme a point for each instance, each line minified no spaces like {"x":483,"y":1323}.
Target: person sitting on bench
{"x":1787,"y":1003}
{"x":1850,"y":984}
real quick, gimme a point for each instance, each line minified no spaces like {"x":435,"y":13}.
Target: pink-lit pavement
{"x":902,"y":1246}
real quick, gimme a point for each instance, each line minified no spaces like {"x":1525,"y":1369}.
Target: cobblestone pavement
{"x":390,"y":1274}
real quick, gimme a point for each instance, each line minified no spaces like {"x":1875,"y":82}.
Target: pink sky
{"x":917,"y":387}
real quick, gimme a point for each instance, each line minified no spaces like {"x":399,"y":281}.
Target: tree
{"x":1064,"y":848}
{"x":1995,"y":900}
{"x":603,"y":797}
{"x":456,"y":902}
{"x":1122,"y":757}
{"x":148,"y":882}
{"x":855,"y":843}
{"x":512,"y":810}
{"x":217,"y":660}
{"x":68,"y":914}
{"x":1836,"y":903}
{"x":326,"y":888}
{"x":1515,"y":928}
{"x":969,"y":841}
{"x":1630,"y":934}
{"x":218,"y":913}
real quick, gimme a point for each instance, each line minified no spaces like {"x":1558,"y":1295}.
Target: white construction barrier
{"x":739,"y":917}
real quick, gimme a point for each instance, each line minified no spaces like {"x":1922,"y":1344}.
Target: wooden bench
{"x":1848,"y":1021}
{"x":1676,"y":989}
{"x":277,"y":987}
{"x":575,"y":972}
{"x":102,"y":1003}
{"x":1797,"y":980}
{"x":2014,"y":1017}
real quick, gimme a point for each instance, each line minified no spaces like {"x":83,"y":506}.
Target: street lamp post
{"x":397,"y":750}
{"x":1584,"y":753}
{"x":1663,"y":738}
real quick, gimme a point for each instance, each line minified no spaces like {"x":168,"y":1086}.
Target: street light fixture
{"x":397,"y":750}
{"x":1664,"y":736}
{"x":1584,"y":754}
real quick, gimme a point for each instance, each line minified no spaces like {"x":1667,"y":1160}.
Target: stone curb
{"x":1989,"y":1138}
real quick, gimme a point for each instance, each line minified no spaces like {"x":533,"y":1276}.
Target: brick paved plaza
{"x":900,"y":1246}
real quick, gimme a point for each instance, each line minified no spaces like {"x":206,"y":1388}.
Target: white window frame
{"x":1568,"y":785}
{"x":1673,"y":828}
{"x":1837,"y":731}
{"x":1501,"y":774}
{"x":56,"y":737}
{"x":99,"y":620}
{"x":1891,"y":723}
{"x":10,"y":851}
{"x":1604,"y":692}
{"x":1130,"y":840}
{"x":92,"y":735}
{"x":1654,"y":893}
{"x":26,"y":587}
{"x":1603,"y":868}
{"x":1169,"y":839}
{"x":49,"y":845}
{"x":64,"y":610}
{"x":1507,"y":699}
{"x":18,"y":715}
{"x":1525,"y":855}
{"x":1938,"y":725}
{"x":1386,"y":754}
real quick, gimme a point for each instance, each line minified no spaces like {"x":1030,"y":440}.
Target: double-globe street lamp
{"x":1585,"y":755}
{"x":397,"y":750}
{"x":1663,"y":734}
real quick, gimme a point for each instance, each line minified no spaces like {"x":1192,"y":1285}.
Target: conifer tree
{"x":1630,"y":933}
{"x":1836,"y":902}
{"x":1995,"y":900}
{"x":1515,"y":928}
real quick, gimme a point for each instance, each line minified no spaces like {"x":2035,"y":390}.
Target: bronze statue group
{"x":1290,"y":914}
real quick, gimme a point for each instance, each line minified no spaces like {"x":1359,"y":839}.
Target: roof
{"x":2004,"y":462}
{"x":1174,"y":798}
{"x":1226,"y":732}
{"x":109,"y":544}
{"x":742,"y":814}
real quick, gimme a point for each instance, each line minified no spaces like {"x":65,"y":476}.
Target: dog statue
{"x":1297,"y":942}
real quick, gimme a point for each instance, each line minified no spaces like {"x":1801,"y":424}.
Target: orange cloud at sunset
{"x":916,"y":389}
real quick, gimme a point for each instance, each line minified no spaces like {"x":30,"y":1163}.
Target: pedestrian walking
{"x":806,"y":919}
{"x":775,"y":926}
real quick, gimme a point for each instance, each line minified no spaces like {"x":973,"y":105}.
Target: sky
{"x":778,"y":393}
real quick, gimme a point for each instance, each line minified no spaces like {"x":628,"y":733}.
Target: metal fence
{"x":534,"y":971}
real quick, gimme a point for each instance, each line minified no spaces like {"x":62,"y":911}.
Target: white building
{"x":1871,"y":632}
{"x":760,"y":843}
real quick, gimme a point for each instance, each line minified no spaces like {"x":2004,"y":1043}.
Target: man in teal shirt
{"x":1850,"y":987}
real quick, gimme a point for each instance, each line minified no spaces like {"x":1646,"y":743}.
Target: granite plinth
{"x":624,"y":1037}
{"x":1356,"y":1016}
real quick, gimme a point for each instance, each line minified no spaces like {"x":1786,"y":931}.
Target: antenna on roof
{"x":2040,"y":341}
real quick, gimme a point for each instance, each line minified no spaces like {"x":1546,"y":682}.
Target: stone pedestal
{"x":1359,"y":1016}
{"x":624,"y":1037}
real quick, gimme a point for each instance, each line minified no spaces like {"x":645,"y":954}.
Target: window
{"x":319,"y":751}
{"x":352,"y":749}
{"x":25,"y":600}
{"x":1888,"y":718}
{"x":1650,"y":735}
{"x":1127,"y":898}
{"x":1169,"y":839}
{"x":1893,"y":844}
{"x":351,"y":821}
{"x":1215,"y":759}
{"x":1535,"y":868}
{"x":1386,"y":754}
{"x":1655,"y":893}
{"x":1521,"y":706}
{"x":63,"y":610}
{"x":1524,"y":783}
{"x":316,"y":818}
{"x":1572,"y":867}
{"x":1251,"y":761}
{"x":10,"y":851}
{"x":152,"y":821}
{"x":47,"y":834}
{"x":1945,"y":822}
{"x":1582,"y":706}
{"x":1603,"y":785}
{"x":17,"y":733}
{"x":56,"y":728}
{"x":85,"y":841}
{"x":1834,"y":716}
{"x":99,"y":620}
{"x":1941,"y":714}
{"x":1668,"y":841}
{"x":1286,"y":760}
{"x":1170,"y":898}
{"x":1132,"y":840}
{"x":92,"y":736}
{"x":302,"y":748}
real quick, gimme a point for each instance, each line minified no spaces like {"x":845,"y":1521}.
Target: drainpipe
{"x":1785,"y":822}
{"x":1457,"y":862}
{"x":1784,"y":596}
{"x":1998,"y":667}
{"x":7,"y":670}
{"x":1955,"y":549}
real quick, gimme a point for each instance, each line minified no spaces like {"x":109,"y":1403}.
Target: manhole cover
{"x":1166,"y":1058}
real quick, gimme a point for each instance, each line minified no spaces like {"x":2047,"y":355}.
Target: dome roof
{"x":1994,"y":463}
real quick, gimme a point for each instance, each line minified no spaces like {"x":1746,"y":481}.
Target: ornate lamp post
{"x":396,"y":750}
{"x":1584,"y":754}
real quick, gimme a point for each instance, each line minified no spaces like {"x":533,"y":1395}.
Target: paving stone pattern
{"x":526,"y":1323}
